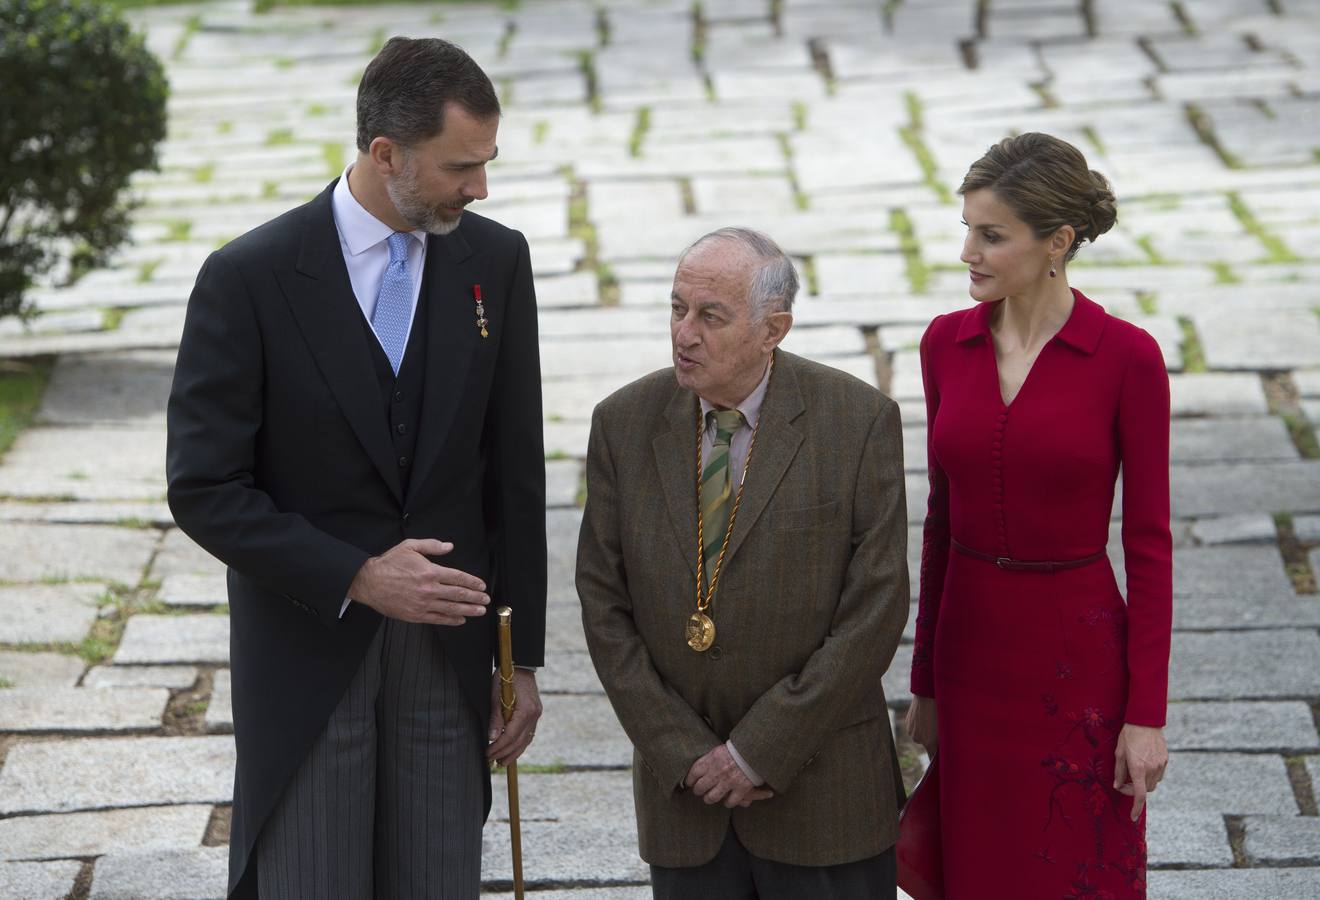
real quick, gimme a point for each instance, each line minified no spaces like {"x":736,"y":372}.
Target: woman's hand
{"x":921,"y":724}
{"x":1139,"y":761}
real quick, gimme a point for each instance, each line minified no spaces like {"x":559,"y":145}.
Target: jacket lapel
{"x":451,"y":273}
{"x":675,"y":460}
{"x":777,"y":442}
{"x":321,"y":297}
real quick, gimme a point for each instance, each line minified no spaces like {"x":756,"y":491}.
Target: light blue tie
{"x":393,"y":310}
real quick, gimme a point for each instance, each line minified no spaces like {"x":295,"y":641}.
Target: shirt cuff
{"x":755,"y":779}
{"x":526,"y":668}
{"x":343,"y":609}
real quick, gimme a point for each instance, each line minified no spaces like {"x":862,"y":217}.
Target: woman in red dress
{"x":1044,"y":692}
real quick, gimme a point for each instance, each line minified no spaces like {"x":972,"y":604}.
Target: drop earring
{"x":1053,"y":274}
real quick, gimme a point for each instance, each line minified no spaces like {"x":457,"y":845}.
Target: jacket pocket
{"x":804,"y":517}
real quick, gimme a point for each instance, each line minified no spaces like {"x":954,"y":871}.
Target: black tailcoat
{"x":282,"y":463}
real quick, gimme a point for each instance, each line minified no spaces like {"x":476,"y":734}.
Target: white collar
{"x":359,"y":229}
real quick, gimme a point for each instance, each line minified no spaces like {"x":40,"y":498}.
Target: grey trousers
{"x":734,"y":874}
{"x":389,"y":801}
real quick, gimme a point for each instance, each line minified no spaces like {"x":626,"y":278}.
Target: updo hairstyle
{"x":1047,"y":184}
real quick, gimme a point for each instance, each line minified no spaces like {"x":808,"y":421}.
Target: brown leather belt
{"x":1024,"y":565}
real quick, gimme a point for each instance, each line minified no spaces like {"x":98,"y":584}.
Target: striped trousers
{"x":389,"y":802}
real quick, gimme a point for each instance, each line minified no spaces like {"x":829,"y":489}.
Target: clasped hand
{"x":716,"y":778}
{"x":403,"y":584}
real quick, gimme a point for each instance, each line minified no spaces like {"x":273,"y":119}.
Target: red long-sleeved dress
{"x":1035,"y":673}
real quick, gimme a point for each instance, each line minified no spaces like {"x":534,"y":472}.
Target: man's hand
{"x":716,"y":778}
{"x":403,"y":584}
{"x":1139,"y":761}
{"x":509,"y":741}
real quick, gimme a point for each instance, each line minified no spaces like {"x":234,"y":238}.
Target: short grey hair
{"x":774,"y":283}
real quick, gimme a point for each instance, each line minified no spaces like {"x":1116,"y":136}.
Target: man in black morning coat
{"x":355,"y":430}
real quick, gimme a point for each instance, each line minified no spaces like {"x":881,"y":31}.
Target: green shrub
{"x":82,"y":107}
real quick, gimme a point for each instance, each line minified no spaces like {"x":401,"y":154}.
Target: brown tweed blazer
{"x":812,"y":600}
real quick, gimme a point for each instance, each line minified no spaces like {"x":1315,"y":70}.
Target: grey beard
{"x":402,"y":191}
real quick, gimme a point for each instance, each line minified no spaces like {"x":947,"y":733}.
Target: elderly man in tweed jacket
{"x":745,"y":665}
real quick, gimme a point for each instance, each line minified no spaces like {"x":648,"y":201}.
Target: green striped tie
{"x":717,"y":487}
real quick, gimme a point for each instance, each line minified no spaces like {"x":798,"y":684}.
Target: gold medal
{"x":700,"y":632}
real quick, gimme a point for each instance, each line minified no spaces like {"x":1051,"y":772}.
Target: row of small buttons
{"x":997,"y":470}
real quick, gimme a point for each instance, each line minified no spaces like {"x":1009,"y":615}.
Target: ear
{"x":1061,"y":241}
{"x":777,"y":325}
{"x":387,"y":157}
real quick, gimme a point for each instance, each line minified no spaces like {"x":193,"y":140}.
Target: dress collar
{"x":1082,"y":331}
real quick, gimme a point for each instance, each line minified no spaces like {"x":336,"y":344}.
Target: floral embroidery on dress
{"x":1084,"y":777}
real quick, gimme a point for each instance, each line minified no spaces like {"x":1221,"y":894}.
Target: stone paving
{"x":631,"y":127}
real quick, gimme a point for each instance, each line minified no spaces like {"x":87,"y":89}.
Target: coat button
{"x":406,"y":518}
{"x":401,"y":428}
{"x":716,"y":652}
{"x":403,"y":461}
{"x":398,"y":396}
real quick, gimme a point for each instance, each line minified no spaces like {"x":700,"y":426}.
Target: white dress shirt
{"x":362,"y":238}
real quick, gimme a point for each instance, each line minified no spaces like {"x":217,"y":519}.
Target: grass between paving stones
{"x":1224,"y":273}
{"x":5,"y":683}
{"x":22,"y":384}
{"x":1193,"y":355}
{"x":148,"y":269}
{"x":185,"y":713}
{"x":1205,"y":130}
{"x":1146,"y":302}
{"x":688,"y":195}
{"x":191,"y":26}
{"x":1147,"y":245}
{"x":810,"y":277}
{"x":1277,"y":251}
{"x":1236,"y":827}
{"x":506,"y":39}
{"x":217,"y":829}
{"x":1295,"y":561}
{"x":800,"y":199}
{"x":582,"y":228}
{"x":698,"y":51}
{"x":178,"y":229}
{"x":1094,"y":137}
{"x":640,"y":128}
{"x":884,"y":367}
{"x":278,"y":137}
{"x":1047,"y":100}
{"x":204,"y":174}
{"x":918,"y":273}
{"x":111,"y":318}
{"x":911,"y":136}
{"x":586,"y":60}
{"x":1302,"y":787}
{"x":1282,"y":397}
{"x":333,"y":154}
